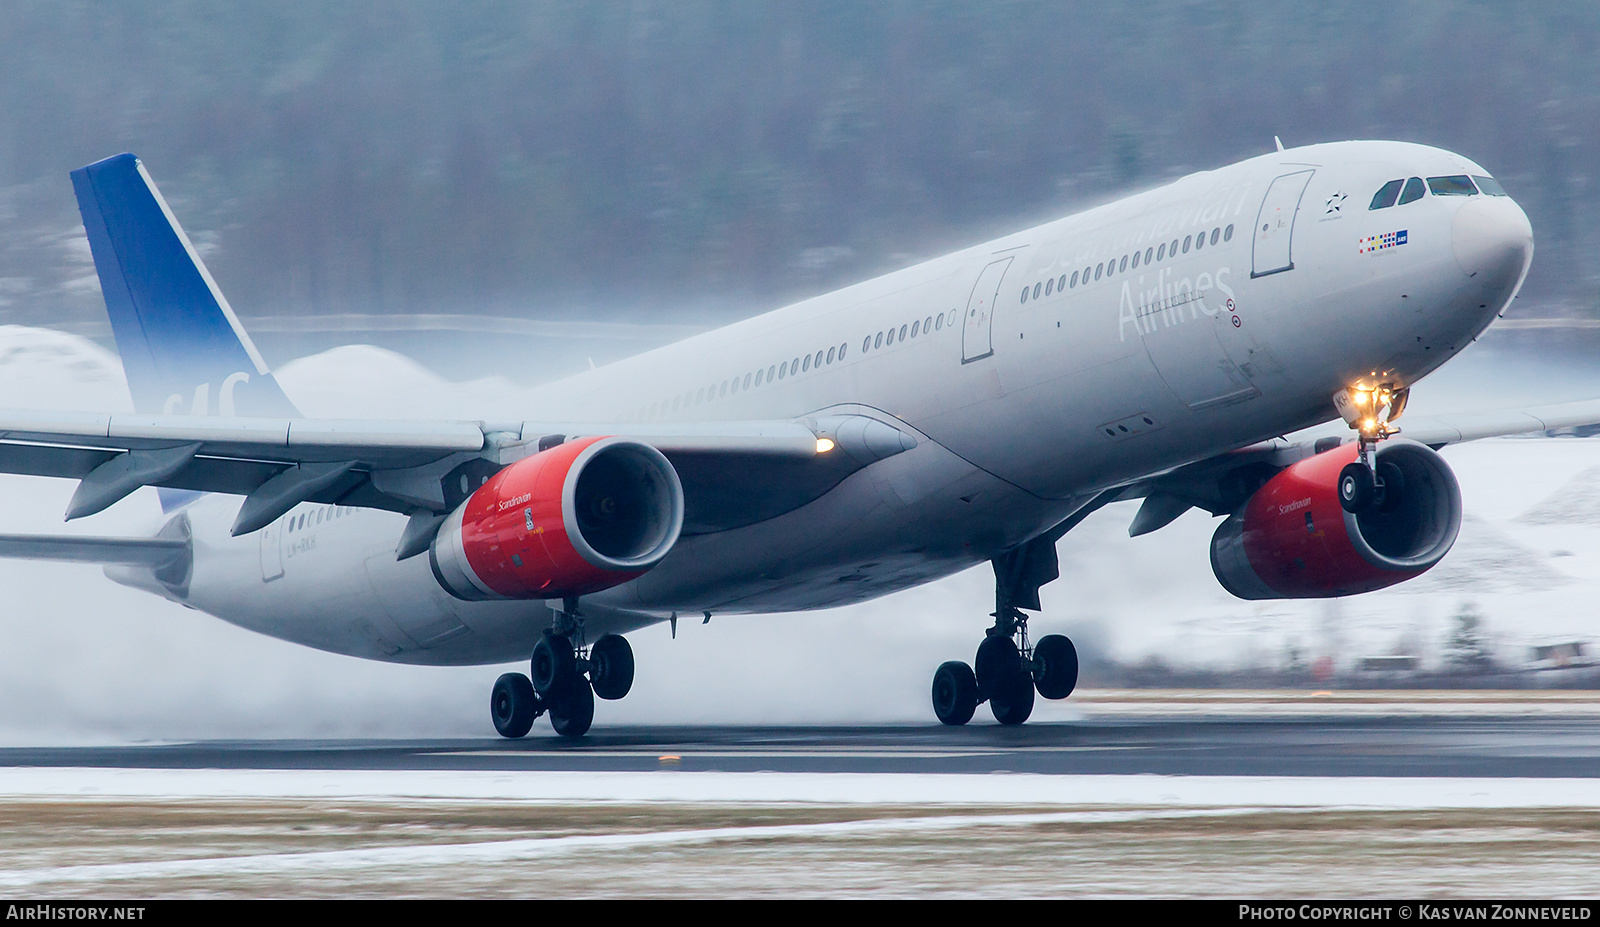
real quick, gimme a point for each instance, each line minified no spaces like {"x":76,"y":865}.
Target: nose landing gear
{"x":1370,"y":410}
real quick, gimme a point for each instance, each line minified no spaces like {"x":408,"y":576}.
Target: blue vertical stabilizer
{"x":182,"y":348}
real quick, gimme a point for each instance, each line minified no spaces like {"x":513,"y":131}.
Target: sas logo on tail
{"x":1380,"y":242}
{"x":202,"y":398}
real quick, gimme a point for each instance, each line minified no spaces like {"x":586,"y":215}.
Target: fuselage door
{"x":1275,"y":225}
{"x":976,"y":338}
{"x":271,"y":551}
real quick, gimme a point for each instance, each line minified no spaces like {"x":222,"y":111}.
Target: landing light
{"x":824,"y":445}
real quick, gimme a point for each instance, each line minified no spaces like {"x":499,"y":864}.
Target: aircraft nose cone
{"x":1491,"y":237}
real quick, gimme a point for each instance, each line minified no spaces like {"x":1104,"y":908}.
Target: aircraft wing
{"x":1222,"y":483}
{"x":733,"y":472}
{"x":1438,"y":431}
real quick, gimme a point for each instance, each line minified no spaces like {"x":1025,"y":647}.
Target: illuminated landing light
{"x":824,"y":445}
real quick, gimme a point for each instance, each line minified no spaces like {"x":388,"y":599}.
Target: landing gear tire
{"x":1004,"y":680}
{"x":572,"y":710}
{"x":554,"y":666}
{"x":1012,"y":702}
{"x":997,"y":664}
{"x":1055,"y":666}
{"x":955,"y":693}
{"x":513,"y":705}
{"x":1357,"y":486}
{"x":611,"y":666}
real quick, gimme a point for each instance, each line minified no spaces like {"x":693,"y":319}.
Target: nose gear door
{"x":1274,"y":234}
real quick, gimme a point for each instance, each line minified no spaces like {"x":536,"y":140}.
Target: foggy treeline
{"x":726,"y":156}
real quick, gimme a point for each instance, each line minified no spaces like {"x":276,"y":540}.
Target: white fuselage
{"x":1023,"y":406}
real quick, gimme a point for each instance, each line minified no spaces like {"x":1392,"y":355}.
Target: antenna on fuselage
{"x":1277,"y":141}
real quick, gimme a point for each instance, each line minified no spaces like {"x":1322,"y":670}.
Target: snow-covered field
{"x":83,"y":660}
{"x":126,"y":834}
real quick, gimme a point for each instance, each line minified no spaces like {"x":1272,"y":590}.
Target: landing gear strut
{"x":1007,"y":670}
{"x":1369,"y":410}
{"x":564,"y":678}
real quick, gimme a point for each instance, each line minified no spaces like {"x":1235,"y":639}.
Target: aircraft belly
{"x":913,"y":517}
{"x":341,"y":590}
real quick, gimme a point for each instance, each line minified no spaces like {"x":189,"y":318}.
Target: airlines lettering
{"x":1172,"y":301}
{"x":513,"y":502}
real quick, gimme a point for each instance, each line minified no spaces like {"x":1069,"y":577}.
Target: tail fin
{"x":182,"y":347}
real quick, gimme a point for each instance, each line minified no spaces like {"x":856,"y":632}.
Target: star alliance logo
{"x":1334,"y":202}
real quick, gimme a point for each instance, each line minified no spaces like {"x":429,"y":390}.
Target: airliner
{"x":973,"y":408}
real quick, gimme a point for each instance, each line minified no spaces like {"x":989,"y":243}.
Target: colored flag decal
{"x":1380,"y":242}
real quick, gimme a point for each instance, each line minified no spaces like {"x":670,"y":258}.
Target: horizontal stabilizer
{"x":151,"y":552}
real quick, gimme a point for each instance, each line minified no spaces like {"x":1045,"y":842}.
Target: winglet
{"x":182,"y":347}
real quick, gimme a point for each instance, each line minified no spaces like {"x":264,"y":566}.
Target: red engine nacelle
{"x":1293,"y":540}
{"x":577,"y":518}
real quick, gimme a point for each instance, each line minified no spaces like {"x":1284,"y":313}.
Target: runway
{"x":1496,"y":735}
{"x":1177,"y":794}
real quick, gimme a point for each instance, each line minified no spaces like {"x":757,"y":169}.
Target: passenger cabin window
{"x":1489,"y":185}
{"x":1412,"y":192}
{"x":1454,"y":185}
{"x":1386,"y":195}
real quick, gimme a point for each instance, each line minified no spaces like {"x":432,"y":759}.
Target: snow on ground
{"x":1013,"y":789}
{"x":84,"y":660}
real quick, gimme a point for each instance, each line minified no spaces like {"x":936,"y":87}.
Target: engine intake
{"x":577,"y":518}
{"x":1293,"y":540}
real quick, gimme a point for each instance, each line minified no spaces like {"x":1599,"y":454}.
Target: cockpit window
{"x":1454,"y":185}
{"x":1413,"y":191}
{"x":1489,"y":185}
{"x":1386,"y":195}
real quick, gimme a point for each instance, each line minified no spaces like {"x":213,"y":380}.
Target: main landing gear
{"x":1007,"y":671}
{"x":1363,"y":485}
{"x":1006,"y":675}
{"x":564,"y":678}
